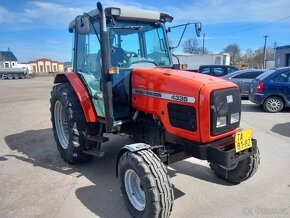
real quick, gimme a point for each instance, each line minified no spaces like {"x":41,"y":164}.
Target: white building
{"x":194,"y":60}
{"x":7,"y":59}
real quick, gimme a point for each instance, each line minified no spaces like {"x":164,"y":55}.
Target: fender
{"x":82,"y":93}
{"x":130,"y":148}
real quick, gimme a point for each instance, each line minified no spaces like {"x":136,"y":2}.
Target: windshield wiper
{"x":127,"y":27}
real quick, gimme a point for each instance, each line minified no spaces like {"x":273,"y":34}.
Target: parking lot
{"x":35,"y":182}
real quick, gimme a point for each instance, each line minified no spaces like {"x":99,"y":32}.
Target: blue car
{"x":272,"y":89}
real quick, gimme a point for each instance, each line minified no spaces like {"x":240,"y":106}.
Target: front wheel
{"x":145,"y":185}
{"x":238,"y":172}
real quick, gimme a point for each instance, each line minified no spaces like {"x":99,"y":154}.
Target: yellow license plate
{"x":243,"y":140}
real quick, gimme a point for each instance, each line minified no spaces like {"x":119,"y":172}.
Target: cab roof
{"x":130,"y":14}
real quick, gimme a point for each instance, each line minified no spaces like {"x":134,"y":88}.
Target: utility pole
{"x":203,"y":36}
{"x":275,"y":45}
{"x":265,"y":44}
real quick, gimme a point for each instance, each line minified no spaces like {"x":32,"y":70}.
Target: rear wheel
{"x":16,"y":76}
{"x":69,"y":124}
{"x":22,"y":76}
{"x":145,"y":185}
{"x":273,"y":104}
{"x":238,"y":172}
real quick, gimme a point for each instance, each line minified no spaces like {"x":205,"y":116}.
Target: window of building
{"x":13,"y":64}
{"x":41,"y":68}
{"x":54,"y":68}
{"x":34,"y":69}
{"x":7,"y":65}
{"x":47,"y":68}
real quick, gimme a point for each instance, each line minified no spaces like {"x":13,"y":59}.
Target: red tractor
{"x":124,"y":81}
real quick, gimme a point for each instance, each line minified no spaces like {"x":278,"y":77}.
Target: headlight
{"x":221,"y":122}
{"x":235,"y":118}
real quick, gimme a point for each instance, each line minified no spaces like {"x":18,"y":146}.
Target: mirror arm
{"x":181,"y":35}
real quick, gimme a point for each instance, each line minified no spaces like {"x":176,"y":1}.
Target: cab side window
{"x":88,"y":53}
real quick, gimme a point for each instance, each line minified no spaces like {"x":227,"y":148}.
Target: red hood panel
{"x":178,"y":85}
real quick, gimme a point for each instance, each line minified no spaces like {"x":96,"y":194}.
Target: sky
{"x":39,"y":29}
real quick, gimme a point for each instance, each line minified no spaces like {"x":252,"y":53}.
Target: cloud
{"x":53,"y":15}
{"x":225,"y":11}
{"x":39,"y":14}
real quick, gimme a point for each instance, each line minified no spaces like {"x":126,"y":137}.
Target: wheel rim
{"x":273,"y":104}
{"x":135,"y":190}
{"x":61,"y":124}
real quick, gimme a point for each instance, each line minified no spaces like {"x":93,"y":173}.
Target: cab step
{"x":97,"y":138}
{"x":94,"y":152}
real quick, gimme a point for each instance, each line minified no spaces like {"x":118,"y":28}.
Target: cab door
{"x":86,"y":63}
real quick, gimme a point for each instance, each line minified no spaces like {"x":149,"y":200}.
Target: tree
{"x":191,"y":46}
{"x":234,"y":51}
{"x":256,"y":58}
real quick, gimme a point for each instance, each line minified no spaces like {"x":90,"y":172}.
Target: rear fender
{"x":82,"y":93}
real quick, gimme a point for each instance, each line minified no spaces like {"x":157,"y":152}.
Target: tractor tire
{"x":273,"y":104}
{"x":145,"y":185}
{"x":69,"y":124}
{"x":240,"y":172}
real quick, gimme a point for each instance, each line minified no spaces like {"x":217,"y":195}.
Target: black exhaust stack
{"x":106,"y":77}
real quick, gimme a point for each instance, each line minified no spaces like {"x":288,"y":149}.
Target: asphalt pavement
{"x":35,"y":182}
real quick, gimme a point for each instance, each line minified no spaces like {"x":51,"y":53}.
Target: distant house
{"x":45,"y":65}
{"x":282,"y":56}
{"x":7,"y":59}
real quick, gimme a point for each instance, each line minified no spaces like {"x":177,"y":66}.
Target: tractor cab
{"x":109,"y":44}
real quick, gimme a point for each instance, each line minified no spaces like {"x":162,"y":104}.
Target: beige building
{"x":46,"y":66}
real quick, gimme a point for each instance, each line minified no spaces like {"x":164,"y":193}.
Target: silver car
{"x":244,"y":78}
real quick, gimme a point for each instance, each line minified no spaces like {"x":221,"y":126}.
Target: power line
{"x":253,"y":28}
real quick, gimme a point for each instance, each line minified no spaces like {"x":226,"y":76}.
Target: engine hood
{"x":174,"y":81}
{"x":155,"y":90}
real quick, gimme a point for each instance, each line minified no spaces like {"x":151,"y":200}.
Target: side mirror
{"x":82,"y":24}
{"x":197,"y":29}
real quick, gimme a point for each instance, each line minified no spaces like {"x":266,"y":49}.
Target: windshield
{"x":135,"y":44}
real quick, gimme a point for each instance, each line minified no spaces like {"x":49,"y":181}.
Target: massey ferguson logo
{"x":172,"y":97}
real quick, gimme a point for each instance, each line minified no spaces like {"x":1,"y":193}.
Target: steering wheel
{"x":131,"y":54}
{"x":142,"y":61}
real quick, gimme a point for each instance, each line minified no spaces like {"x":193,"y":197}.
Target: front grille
{"x":224,"y":103}
{"x":182,"y":116}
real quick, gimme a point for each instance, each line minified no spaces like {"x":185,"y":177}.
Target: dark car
{"x":244,"y":78}
{"x":272,"y":89}
{"x":216,"y":70}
